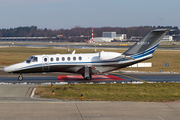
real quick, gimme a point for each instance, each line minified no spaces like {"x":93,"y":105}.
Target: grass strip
{"x":147,"y":92}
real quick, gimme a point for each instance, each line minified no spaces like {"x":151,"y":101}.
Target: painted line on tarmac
{"x":32,"y":94}
{"x":129,"y":77}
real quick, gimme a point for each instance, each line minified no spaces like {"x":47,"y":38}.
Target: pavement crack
{"x":172,"y":108}
{"x":79,"y":111}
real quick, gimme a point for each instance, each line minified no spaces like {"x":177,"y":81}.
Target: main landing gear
{"x":87,"y":74}
{"x":20,"y":77}
{"x":88,"y":77}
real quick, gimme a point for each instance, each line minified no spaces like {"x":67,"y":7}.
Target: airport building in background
{"x":137,"y":38}
{"x":102,"y":39}
{"x":110,"y":36}
{"x":167,"y":38}
{"x":121,"y":37}
{"x":118,"y":37}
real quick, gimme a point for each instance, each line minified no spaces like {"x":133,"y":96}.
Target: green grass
{"x":157,"y":92}
{"x":12,"y":55}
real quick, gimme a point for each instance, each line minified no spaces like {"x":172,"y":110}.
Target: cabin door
{"x":45,"y":63}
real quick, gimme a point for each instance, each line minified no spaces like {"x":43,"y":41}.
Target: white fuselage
{"x":73,"y":63}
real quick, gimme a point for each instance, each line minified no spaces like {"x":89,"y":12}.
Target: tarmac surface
{"x":17,"y":101}
{"x":112,"y":77}
{"x":89,"y":111}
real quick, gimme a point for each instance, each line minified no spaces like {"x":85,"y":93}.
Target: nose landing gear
{"x":20,"y":77}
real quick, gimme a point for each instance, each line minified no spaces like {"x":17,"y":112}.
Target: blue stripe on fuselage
{"x":144,"y":53}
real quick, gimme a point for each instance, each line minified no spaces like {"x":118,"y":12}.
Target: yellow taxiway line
{"x":128,"y":77}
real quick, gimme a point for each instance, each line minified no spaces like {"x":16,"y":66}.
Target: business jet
{"x":90,"y":63}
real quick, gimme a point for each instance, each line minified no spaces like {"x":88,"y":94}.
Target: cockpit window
{"x":32,"y":59}
{"x":35,"y":59}
{"x":29,"y":59}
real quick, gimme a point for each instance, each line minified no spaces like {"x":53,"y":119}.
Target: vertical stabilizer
{"x":151,"y":40}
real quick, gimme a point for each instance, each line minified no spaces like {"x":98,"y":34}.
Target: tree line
{"x":34,"y":31}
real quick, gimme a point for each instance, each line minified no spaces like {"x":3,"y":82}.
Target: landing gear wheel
{"x":89,"y":77}
{"x":20,"y":77}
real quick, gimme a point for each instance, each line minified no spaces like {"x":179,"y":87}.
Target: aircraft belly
{"x":57,"y":68}
{"x":65,"y":68}
{"x":29,"y":70}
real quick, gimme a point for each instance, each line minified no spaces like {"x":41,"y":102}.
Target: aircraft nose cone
{"x":12,"y":68}
{"x":5,"y":69}
{"x":8,"y":69}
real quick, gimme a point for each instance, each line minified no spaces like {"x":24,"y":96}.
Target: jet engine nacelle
{"x":109,"y":56}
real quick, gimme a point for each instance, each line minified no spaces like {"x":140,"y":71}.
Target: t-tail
{"x":147,"y":45}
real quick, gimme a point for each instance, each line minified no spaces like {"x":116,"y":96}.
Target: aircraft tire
{"x":89,"y":77}
{"x":20,"y":77}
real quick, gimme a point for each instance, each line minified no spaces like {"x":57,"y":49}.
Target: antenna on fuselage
{"x":74,"y":52}
{"x":95,"y":49}
{"x":68,"y":49}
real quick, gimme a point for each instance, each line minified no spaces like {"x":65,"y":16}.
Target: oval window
{"x":74,"y":58}
{"x":69,"y":58}
{"x":51,"y":59}
{"x":63,"y":58}
{"x":57,"y":59}
{"x":45,"y":59}
{"x":80,"y":58}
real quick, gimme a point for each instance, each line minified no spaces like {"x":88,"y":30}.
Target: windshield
{"x":32,"y":59}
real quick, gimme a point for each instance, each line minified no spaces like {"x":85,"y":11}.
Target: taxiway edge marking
{"x":32,"y":94}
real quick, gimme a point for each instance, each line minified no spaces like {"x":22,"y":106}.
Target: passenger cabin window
{"x":74,"y":58}
{"x":80,"y":58}
{"x":63,"y":59}
{"x":45,"y":59}
{"x":32,"y":59}
{"x":57,"y":59}
{"x":51,"y":59}
{"x":69,"y":58}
